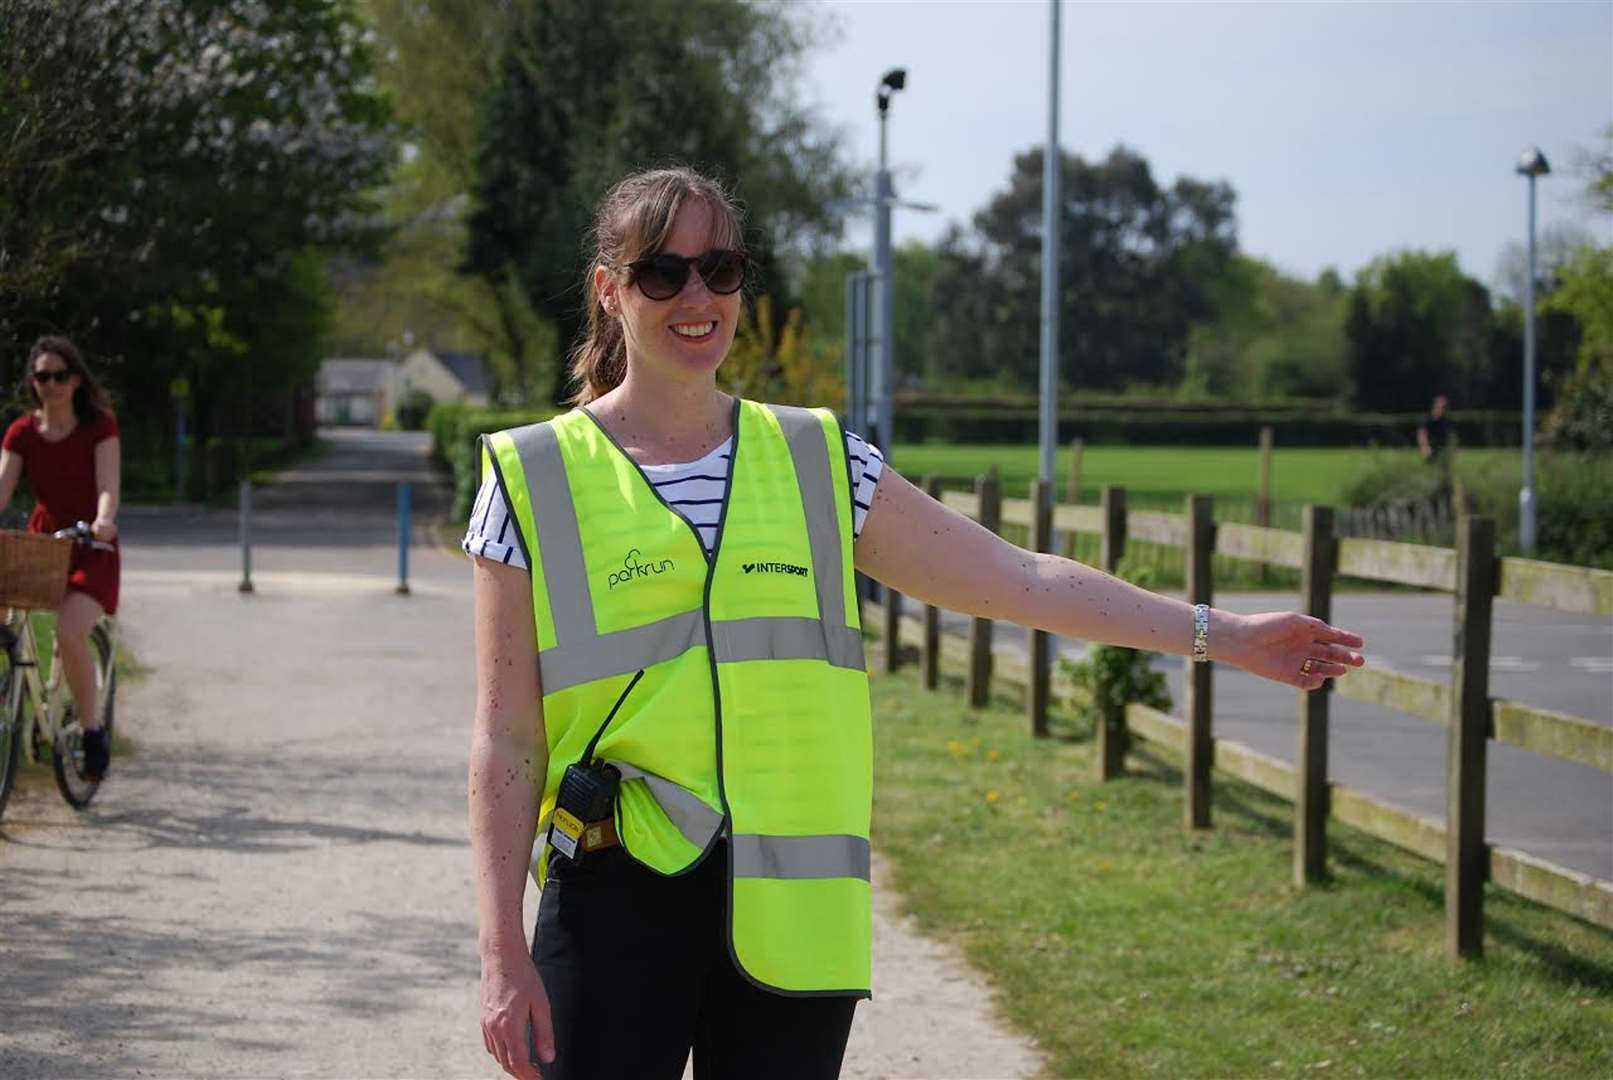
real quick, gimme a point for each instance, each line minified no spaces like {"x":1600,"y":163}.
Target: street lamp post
{"x":884,"y":272}
{"x":1533,"y":164}
{"x":1052,"y":222}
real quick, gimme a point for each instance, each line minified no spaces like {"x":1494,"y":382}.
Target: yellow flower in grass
{"x":956,"y":748}
{"x":993,"y":795}
{"x":993,"y":755}
{"x":1098,"y":806}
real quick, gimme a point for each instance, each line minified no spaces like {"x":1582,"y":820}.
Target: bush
{"x":1583,"y":416}
{"x":456,"y":432}
{"x":1573,"y":514}
{"x":1181,"y":423}
{"x":1113,"y":677}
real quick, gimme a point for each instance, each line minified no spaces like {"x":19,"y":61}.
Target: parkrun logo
{"x":632,"y":569}
{"x":775,"y":568}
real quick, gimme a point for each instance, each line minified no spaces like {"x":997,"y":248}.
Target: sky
{"x":1348,"y":130}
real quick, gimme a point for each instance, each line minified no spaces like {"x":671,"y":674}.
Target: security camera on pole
{"x":883,"y":353}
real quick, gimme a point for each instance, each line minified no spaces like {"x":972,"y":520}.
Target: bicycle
{"x":36,"y":712}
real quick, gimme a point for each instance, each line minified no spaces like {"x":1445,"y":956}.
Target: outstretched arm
{"x":926,"y":550}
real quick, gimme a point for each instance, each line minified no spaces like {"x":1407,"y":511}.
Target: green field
{"x":1130,"y":947}
{"x":1161,"y":477}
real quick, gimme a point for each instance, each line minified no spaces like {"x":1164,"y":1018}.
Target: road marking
{"x":1497,"y":663}
{"x":1596,"y":665}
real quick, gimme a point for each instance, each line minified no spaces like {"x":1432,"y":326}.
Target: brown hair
{"x":632,"y":222}
{"x":90,"y":398}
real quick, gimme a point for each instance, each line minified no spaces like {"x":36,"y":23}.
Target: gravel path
{"x":278,"y":882}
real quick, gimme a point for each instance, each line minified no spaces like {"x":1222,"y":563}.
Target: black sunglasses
{"x":661,"y":277}
{"x":61,"y":375}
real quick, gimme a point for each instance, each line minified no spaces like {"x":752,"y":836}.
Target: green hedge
{"x":456,"y":432}
{"x":1118,"y":422}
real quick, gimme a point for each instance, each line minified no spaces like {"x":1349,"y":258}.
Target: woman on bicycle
{"x":67,"y":448}
{"x":693,"y":743}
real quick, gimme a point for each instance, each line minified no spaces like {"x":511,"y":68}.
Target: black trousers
{"x":638,"y":971}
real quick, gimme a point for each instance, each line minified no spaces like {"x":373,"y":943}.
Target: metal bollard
{"x":403,"y":538}
{"x":246,"y":537}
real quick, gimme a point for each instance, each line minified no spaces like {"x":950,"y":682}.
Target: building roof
{"x":467,"y":367}
{"x":344,"y":375}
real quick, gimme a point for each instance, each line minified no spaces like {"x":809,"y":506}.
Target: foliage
{"x":179,"y":172}
{"x":456,"y":432}
{"x":1583,"y":416}
{"x":1104,"y":926}
{"x":779,"y":365}
{"x":1135,"y":274}
{"x":435,"y":62}
{"x":587,"y":91}
{"x":1573,"y":514}
{"x":1113,"y":677}
{"x":1272,"y":335}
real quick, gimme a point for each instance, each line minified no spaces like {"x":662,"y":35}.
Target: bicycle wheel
{"x":67,"y":753}
{"x":10,"y":722}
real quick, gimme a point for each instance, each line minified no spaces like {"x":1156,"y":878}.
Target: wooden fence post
{"x":893,"y":627}
{"x":1200,"y":589}
{"x":988,"y":513}
{"x":1039,"y":644}
{"x":1310,"y":774}
{"x":1263,"y":498}
{"x":1111,"y":749}
{"x":1466,"y":865}
{"x":1073,"y":494}
{"x":932,"y":615}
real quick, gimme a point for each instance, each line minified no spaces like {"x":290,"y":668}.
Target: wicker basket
{"x":33,"y":570}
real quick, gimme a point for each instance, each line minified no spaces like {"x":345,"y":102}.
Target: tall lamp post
{"x":884,"y":266}
{"x":1533,"y":164}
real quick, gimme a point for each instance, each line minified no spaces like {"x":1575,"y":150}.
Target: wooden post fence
{"x":1200,"y":590}
{"x":1263,"y":498}
{"x":989,"y":513}
{"x":1310,"y":773}
{"x":893,"y":627}
{"x":1111,"y":750}
{"x":932,"y":615}
{"x":1073,"y":494}
{"x":1039,"y":644}
{"x":1466,"y":858}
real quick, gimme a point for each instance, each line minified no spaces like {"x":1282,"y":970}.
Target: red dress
{"x":61,"y":475}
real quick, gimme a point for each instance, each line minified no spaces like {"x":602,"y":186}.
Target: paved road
{"x":278,"y":883}
{"x":1555,"y":809}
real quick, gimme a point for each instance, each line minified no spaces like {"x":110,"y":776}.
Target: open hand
{"x":1277,"y":645}
{"x":513,"y":999}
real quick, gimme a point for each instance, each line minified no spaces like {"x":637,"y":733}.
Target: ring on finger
{"x":1309,"y":663}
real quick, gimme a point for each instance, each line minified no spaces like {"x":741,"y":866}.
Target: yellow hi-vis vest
{"x":752,"y":718}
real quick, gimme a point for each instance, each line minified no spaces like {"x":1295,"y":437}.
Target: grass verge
{"x":1128,"y":946}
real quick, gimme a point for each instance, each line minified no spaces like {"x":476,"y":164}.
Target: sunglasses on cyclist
{"x":61,"y":376}
{"x":661,"y":277}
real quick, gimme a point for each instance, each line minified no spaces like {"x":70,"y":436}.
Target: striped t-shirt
{"x":694,"y":489}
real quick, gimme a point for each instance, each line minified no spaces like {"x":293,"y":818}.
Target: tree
{"x":436,"y":62}
{"x":1272,"y":336}
{"x":588,"y":91}
{"x":175,"y":165}
{"x":1417,"y":327}
{"x":1136,"y":266}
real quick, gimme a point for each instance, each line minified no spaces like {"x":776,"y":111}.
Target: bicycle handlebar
{"x":80,"y":533}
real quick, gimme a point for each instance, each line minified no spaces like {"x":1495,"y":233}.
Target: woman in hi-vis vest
{"x":672,"y":727}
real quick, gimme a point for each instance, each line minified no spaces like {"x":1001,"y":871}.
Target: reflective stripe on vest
{"x":580,"y":503}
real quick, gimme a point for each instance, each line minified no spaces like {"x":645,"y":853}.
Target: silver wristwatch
{"x":1201,"y":633}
